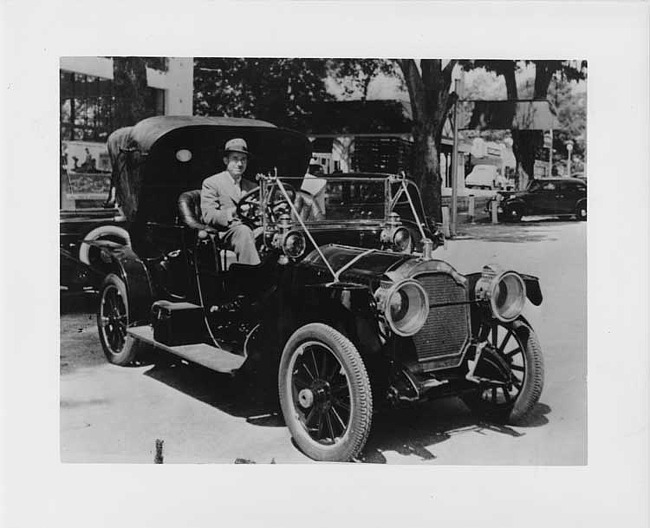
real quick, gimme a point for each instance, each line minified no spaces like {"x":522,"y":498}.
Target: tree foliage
{"x":528,"y":144}
{"x":283,"y":91}
{"x":357,"y":74}
{"x":571,"y":107}
{"x":277,"y":90}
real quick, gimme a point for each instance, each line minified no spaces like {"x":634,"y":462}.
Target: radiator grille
{"x":440,"y":342}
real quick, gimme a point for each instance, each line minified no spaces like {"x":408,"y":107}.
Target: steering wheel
{"x":248,"y":208}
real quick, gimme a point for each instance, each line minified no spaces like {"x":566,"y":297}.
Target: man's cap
{"x":236,"y":145}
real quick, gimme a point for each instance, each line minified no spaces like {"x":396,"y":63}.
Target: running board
{"x":208,"y":356}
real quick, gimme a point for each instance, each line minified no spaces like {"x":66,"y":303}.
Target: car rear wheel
{"x":113,"y":320}
{"x":581,"y":211}
{"x":325,"y":394}
{"x":518,"y":346}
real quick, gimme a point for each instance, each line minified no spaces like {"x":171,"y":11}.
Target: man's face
{"x":236,"y":164}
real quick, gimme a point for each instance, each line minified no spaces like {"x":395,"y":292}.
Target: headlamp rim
{"x":396,"y":231}
{"x":384,"y":295}
{"x":494,"y":282}
{"x":286,"y":236}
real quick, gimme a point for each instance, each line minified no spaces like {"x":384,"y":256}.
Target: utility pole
{"x":454,"y":163}
{"x":569,"y":149}
{"x":550,"y":156}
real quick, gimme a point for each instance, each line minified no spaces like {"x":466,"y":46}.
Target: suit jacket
{"x":219,"y":197}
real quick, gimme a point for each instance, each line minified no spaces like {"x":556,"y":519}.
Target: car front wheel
{"x":581,"y":211}
{"x":512,"y":214}
{"x":518,"y":346}
{"x":113,"y":320}
{"x":325,"y":394}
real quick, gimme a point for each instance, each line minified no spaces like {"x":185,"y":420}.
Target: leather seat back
{"x":189,"y":213}
{"x":189,"y":210}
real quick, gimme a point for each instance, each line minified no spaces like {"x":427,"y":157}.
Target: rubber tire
{"x":532,"y":386}
{"x":129,"y":351}
{"x":104,"y":232}
{"x":579,"y":215}
{"x":355,"y":438}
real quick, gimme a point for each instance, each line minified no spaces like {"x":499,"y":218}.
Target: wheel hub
{"x":306,"y":398}
{"x":318,"y":394}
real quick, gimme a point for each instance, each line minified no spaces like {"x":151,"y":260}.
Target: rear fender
{"x":128,"y":266}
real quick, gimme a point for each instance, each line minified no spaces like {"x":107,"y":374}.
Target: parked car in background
{"x":88,"y":220}
{"x":544,"y":197}
{"x":82,"y":234}
{"x":340,"y":315}
{"x":486,"y":177}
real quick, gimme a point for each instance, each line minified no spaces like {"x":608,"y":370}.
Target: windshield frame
{"x":268,"y":184}
{"x":392,"y":194}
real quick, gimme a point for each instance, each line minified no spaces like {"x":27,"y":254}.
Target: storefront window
{"x":86,"y":107}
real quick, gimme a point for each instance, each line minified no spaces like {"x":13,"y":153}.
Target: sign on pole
{"x":454,"y":163}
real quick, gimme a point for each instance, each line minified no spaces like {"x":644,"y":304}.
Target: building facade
{"x":88,"y":101}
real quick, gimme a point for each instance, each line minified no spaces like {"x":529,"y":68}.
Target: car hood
{"x":354,"y":264}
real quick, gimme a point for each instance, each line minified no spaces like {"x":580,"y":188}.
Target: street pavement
{"x":116,"y":414}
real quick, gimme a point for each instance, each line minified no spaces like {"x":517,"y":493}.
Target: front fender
{"x":533,"y":289}
{"x":349,"y":308}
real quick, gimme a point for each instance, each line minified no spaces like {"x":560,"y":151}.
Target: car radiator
{"x":441,"y":342}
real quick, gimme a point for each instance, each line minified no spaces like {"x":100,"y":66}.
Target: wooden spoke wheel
{"x":517,"y":344}
{"x":325,"y":394}
{"x":113,"y":320}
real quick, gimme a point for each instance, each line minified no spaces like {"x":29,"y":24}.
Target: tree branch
{"x":414,"y":85}
{"x":447,"y":71}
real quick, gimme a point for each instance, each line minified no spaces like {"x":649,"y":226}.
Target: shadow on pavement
{"x":410,"y":431}
{"x":79,"y":342}
{"x":245,"y":396}
{"x":415,"y":431}
{"x":78,"y":302}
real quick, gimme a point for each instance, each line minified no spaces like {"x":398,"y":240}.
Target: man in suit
{"x":219,"y":197}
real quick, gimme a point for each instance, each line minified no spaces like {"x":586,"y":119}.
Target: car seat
{"x":189,"y":209}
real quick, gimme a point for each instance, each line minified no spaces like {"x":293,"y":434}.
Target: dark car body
{"x":82,"y":234}
{"x":345,"y":327}
{"x":546,"y":196}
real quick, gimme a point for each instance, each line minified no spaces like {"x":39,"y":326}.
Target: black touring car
{"x":348,"y":306}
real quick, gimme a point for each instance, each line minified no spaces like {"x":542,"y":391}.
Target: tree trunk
{"x":426,"y":169}
{"x":130,"y":91}
{"x":524,"y":145}
{"x":544,"y":71}
{"x":430,"y":103}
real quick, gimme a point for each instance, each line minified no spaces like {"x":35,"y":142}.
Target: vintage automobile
{"x":86,"y":224}
{"x":546,"y":196}
{"x":343,"y":330}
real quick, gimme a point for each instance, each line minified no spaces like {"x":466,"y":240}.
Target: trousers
{"x":240,"y":238}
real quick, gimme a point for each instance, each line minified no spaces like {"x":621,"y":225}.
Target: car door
{"x":542,"y":197}
{"x":570,"y":193}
